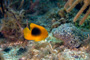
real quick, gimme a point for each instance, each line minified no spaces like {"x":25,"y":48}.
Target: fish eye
{"x":36,"y":31}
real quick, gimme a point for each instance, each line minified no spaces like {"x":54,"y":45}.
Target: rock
{"x":70,"y":35}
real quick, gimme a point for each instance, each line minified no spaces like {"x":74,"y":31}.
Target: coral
{"x":13,"y":4}
{"x":55,"y":47}
{"x":73,"y":3}
{"x":70,"y":35}
{"x":62,"y":13}
{"x":12,"y":28}
{"x":58,"y":22}
{"x":28,"y":5}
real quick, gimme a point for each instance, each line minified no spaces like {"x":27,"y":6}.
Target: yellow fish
{"x":36,"y":32}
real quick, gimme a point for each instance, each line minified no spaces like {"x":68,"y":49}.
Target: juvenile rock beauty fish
{"x":36,"y":32}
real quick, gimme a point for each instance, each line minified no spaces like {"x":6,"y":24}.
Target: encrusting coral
{"x":71,"y":4}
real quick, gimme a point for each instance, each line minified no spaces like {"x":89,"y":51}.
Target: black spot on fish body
{"x":36,"y":31}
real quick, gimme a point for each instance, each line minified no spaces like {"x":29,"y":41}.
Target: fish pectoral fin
{"x":26,"y":30}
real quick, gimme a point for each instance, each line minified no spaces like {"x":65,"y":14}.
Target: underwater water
{"x":44,"y":30}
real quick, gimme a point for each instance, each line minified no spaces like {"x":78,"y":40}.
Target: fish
{"x":36,"y":32}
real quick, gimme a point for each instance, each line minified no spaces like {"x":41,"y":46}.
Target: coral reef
{"x":71,"y":4}
{"x":64,"y":42}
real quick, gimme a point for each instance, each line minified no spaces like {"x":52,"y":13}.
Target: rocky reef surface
{"x":67,"y":40}
{"x":72,"y":36}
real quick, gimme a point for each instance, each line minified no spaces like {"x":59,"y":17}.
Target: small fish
{"x":36,"y":32}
